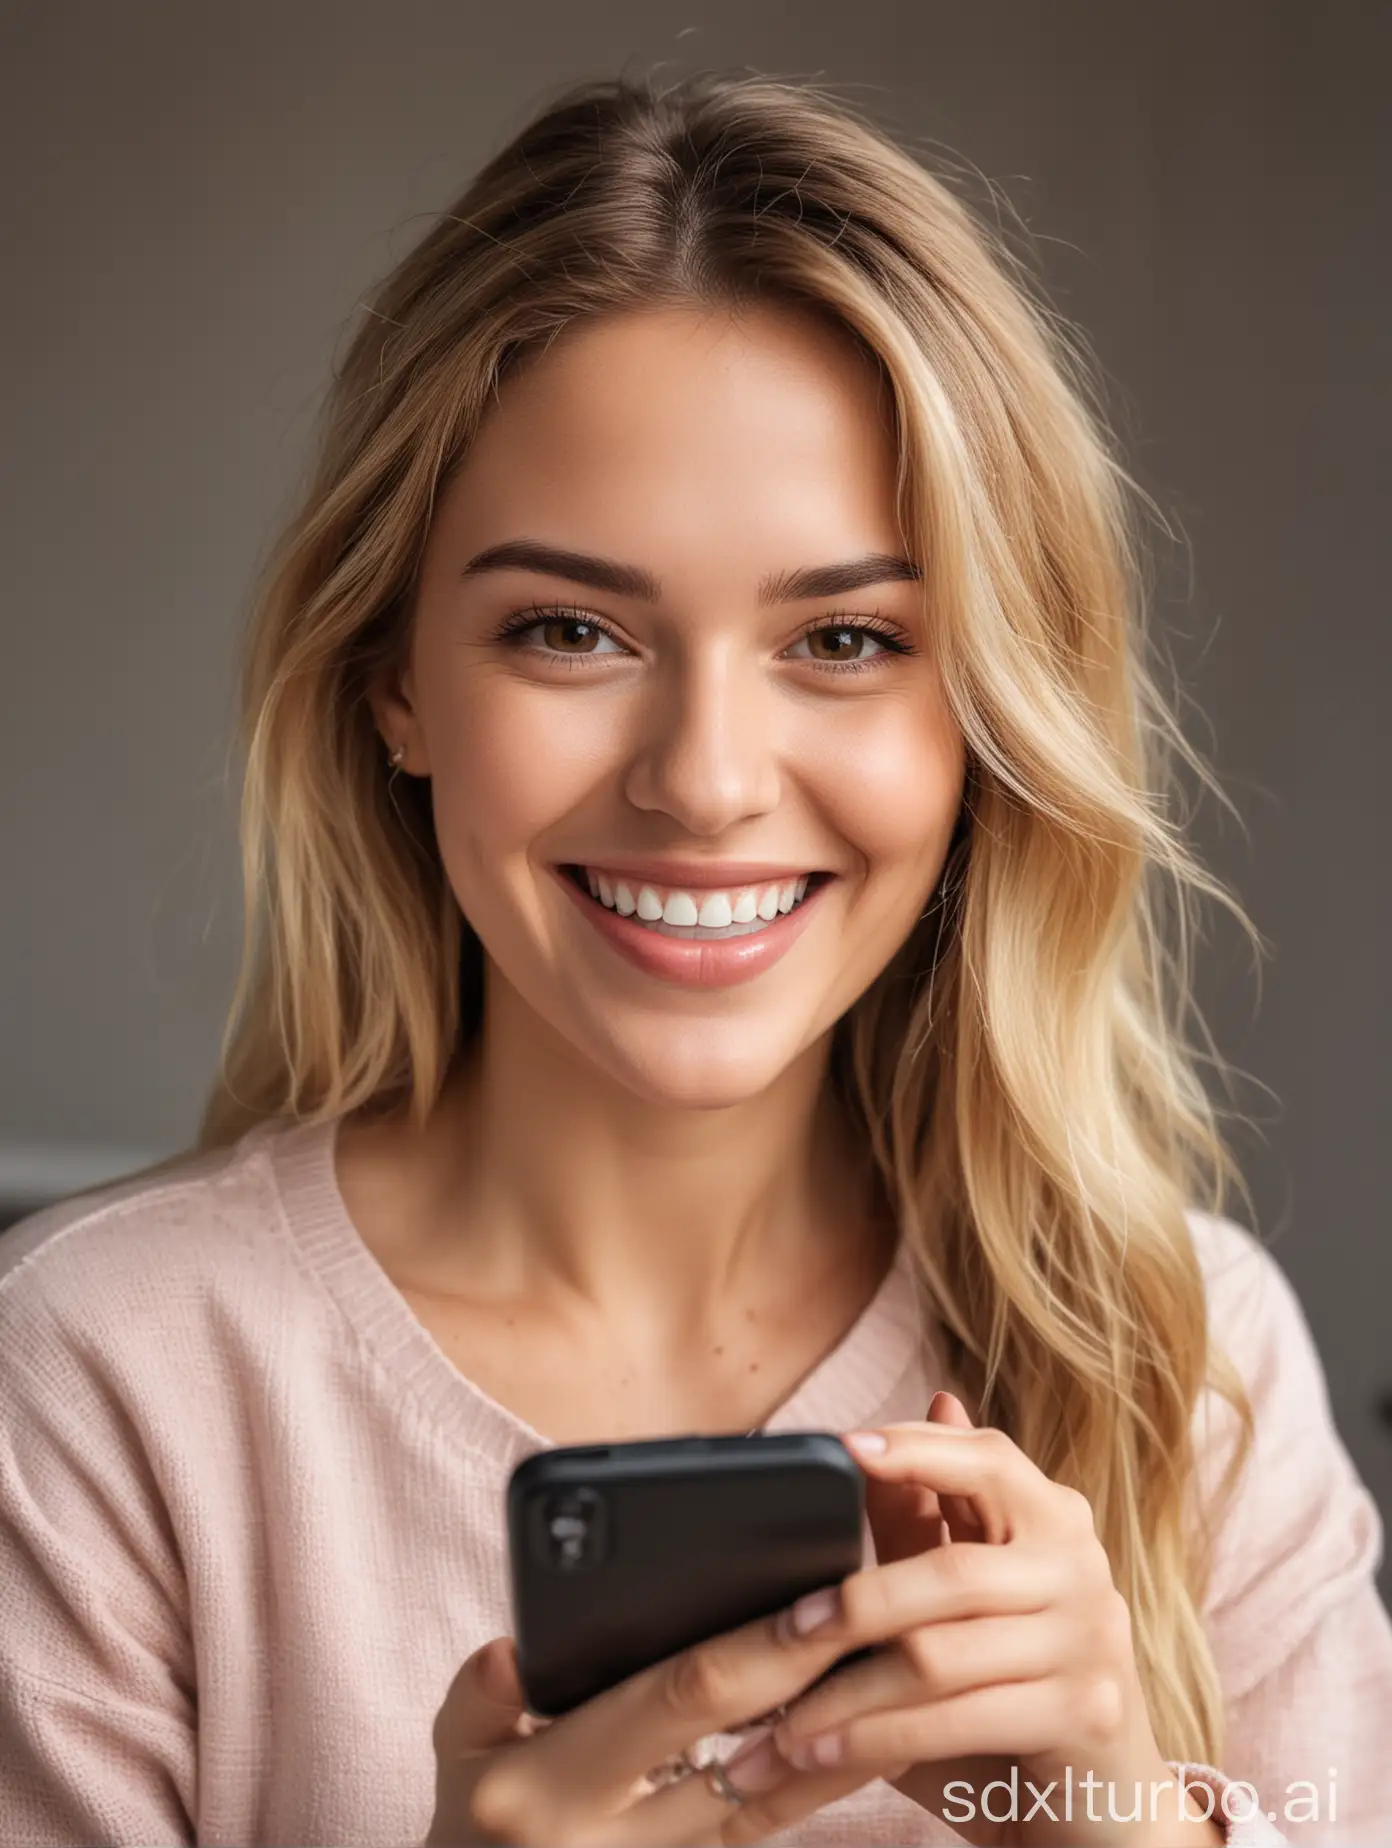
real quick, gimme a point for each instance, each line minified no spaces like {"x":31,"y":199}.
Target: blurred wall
{"x":196,"y":196}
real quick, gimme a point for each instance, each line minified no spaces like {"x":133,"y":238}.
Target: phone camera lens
{"x":568,"y":1532}
{"x":570,"y":1526}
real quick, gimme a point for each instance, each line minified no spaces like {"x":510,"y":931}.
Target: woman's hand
{"x":1009,"y":1645}
{"x":504,"y":1777}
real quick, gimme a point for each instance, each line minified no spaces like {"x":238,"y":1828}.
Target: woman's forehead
{"x":679,"y":428}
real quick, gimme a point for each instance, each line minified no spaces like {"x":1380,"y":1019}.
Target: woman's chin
{"x":705,"y":1069}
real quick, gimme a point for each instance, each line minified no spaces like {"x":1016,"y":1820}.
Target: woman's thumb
{"x":484,"y":1703}
{"x":481,"y":1712}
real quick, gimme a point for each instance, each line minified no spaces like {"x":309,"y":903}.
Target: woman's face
{"x":670,"y":674}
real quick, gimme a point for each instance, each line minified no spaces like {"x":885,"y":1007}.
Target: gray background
{"x":196,"y":196}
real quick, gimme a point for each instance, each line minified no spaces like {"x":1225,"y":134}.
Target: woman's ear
{"x":390,"y":695}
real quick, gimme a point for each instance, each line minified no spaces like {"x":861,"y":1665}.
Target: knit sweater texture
{"x":252,"y":1521}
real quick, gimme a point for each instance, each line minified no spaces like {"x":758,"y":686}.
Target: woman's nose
{"x":708,"y":755}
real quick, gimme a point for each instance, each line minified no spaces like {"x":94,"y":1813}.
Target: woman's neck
{"x":567,"y":1178}
{"x":605,"y":1266}
{"x":539,"y":1177}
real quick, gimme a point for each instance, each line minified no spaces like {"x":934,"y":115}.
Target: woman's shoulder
{"x":120,"y":1253}
{"x":1256,"y":1319}
{"x":1300,"y":1532}
{"x":1254,"y":1313}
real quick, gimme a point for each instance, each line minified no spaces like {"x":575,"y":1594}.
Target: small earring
{"x":395,"y":757}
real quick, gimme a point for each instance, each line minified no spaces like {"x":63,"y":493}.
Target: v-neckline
{"x":847,"y":1387}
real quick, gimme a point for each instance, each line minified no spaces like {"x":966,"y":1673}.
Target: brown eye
{"x":848,"y":643}
{"x":569,"y":635}
{"x":836,"y":644}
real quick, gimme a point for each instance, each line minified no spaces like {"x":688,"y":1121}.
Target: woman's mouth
{"x":702,"y":914}
{"x":701,"y":936}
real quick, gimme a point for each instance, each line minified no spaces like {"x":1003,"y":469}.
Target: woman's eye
{"x":570,"y":635}
{"x":839,"y":642}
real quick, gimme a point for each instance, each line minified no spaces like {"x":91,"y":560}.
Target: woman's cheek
{"x":514,"y":771}
{"x":889,"y":778}
{"x":512,"y":761}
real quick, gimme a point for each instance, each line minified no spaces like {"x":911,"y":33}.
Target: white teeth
{"x":715,"y":912}
{"x":684,"y":914}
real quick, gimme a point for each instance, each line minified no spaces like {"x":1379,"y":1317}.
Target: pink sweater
{"x":251,"y":1523}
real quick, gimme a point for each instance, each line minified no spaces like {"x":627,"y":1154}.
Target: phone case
{"x":623,"y":1554}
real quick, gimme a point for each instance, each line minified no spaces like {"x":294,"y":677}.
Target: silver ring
{"x":674,"y":1770}
{"x":718,"y":1782}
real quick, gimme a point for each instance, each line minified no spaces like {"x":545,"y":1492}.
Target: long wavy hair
{"x":1023,"y":1070}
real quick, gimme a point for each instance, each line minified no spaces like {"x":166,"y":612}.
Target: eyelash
{"x":522,"y":622}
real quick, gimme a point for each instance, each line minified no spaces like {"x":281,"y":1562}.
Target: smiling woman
{"x":728,"y":691}
{"x":717,"y":959}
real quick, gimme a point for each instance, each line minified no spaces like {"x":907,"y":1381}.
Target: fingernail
{"x":815,"y":1754}
{"x":811,"y":1612}
{"x":758,"y":1766}
{"x":868,"y":1443}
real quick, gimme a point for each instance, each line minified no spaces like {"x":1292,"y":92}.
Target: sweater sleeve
{"x":97,"y":1693}
{"x":1302,"y":1641}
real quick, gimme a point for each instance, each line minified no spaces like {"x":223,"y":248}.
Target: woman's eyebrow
{"x":622,"y":580}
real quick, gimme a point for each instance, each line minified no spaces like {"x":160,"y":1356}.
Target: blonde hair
{"x":1021,"y":1070}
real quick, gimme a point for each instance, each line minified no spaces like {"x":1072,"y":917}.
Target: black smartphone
{"x":623,"y":1554}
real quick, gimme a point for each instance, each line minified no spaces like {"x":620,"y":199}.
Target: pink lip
{"x":702,"y":875}
{"x":691,"y":964}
